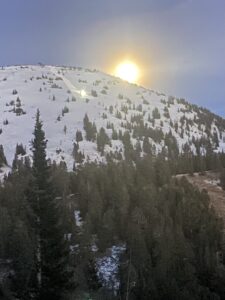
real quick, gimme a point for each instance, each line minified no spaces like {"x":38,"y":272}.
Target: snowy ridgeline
{"x":65,"y":95}
{"x":107,"y":265}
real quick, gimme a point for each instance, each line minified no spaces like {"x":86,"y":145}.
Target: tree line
{"x":172,"y":235}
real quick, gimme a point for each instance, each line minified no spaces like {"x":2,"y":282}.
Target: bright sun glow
{"x":128,"y":71}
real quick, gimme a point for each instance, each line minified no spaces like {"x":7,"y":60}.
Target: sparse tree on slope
{"x":3,"y":160}
{"x":102,"y":140}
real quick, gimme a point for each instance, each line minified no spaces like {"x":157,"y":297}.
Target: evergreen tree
{"x":90,"y":129}
{"x":102,"y":140}
{"x":20,"y":150}
{"x":222,"y":178}
{"x":155,"y":113}
{"x":147,"y":148}
{"x":3,"y":160}
{"x":114,"y":134}
{"x":51,"y":249}
{"x":79,"y":136}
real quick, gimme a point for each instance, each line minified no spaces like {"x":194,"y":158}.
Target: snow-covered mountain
{"x":65,"y":94}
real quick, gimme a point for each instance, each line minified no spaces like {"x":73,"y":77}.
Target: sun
{"x":128,"y":71}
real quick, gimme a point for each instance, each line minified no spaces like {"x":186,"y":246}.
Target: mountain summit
{"x":88,"y":116}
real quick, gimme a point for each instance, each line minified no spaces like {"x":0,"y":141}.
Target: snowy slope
{"x":51,"y":89}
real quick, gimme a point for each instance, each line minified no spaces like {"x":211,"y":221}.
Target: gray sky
{"x":178,"y":44}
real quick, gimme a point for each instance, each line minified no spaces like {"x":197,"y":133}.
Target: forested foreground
{"x":172,"y":238}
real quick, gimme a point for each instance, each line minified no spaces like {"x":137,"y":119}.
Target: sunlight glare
{"x":128,"y":71}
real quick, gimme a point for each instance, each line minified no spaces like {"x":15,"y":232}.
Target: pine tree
{"x":3,"y":160}
{"x":114,"y":134}
{"x":51,"y":251}
{"x":147,"y":148}
{"x":222,"y":178}
{"x":102,"y":140}
{"x":90,"y":129}
{"x":79,"y":136}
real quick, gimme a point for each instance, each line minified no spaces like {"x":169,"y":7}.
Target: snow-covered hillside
{"x":64,"y":95}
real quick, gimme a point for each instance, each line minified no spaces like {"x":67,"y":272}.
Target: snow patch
{"x":108,"y":267}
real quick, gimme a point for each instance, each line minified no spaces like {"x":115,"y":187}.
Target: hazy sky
{"x":179,"y":44}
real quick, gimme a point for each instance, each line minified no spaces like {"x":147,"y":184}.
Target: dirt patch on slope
{"x":210,"y":182}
